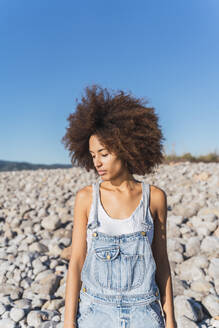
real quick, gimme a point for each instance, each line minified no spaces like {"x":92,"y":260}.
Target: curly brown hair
{"x":122,"y":123}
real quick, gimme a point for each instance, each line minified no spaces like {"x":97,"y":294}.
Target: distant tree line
{"x":188,"y":157}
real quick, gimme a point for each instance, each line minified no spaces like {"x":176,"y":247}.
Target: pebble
{"x":7,"y":323}
{"x":36,"y":211}
{"x":17,"y":314}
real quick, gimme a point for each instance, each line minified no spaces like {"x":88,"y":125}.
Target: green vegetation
{"x":171,"y":158}
{"x":188,"y":157}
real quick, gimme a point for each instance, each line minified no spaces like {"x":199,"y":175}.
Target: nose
{"x":97,"y":162}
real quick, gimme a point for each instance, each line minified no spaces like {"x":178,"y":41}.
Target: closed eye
{"x":102,"y":155}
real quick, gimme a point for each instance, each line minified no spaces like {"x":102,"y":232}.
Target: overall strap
{"x":95,"y":193}
{"x":146,"y":197}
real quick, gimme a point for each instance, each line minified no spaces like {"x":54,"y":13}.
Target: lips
{"x":101,"y":172}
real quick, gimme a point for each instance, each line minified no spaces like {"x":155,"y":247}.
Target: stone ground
{"x":36,"y":219}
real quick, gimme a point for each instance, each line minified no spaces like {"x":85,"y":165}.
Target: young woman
{"x":119,"y":273}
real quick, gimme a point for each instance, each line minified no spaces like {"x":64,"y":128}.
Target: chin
{"x":104,"y":178}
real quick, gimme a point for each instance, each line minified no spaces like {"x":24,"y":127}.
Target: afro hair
{"x":123,"y":124}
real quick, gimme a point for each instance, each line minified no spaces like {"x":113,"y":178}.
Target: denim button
{"x":157,"y":293}
{"x":94,"y":234}
{"x":84,"y":289}
{"x":143,"y":233}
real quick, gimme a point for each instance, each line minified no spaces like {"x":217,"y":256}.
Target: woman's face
{"x":107,"y":164}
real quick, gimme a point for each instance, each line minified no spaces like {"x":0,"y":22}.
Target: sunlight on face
{"x":104,"y":160}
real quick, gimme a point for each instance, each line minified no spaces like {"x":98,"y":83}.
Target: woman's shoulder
{"x":158,"y":199}
{"x":85,"y":191}
{"x":84,"y":195}
{"x":156,"y":191}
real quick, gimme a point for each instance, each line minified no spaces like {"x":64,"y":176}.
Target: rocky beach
{"x":36,"y":220}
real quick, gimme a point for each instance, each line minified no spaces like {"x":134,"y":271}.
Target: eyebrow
{"x":98,"y":150}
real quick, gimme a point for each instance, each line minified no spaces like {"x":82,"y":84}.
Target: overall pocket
{"x":85,"y":308}
{"x":156,"y":313}
{"x":117,"y":271}
{"x":132,"y":271}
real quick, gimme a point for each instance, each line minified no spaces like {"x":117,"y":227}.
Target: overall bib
{"x":118,"y":279}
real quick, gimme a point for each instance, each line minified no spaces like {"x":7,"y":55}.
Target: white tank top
{"x":114,"y":226}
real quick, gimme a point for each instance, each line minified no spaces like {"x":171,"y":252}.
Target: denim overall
{"x":118,"y":279}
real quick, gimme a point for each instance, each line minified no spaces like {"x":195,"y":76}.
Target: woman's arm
{"x":159,"y":247}
{"x":78,"y":254}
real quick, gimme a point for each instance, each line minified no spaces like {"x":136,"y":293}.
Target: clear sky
{"x":166,"y":51}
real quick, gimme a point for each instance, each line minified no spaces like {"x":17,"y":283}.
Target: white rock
{"x":211,"y":302}
{"x":51,"y":222}
{"x":175,"y":257}
{"x":201,"y":261}
{"x":7,"y":323}
{"x":215,"y":323}
{"x":35,"y":318}
{"x":17,"y":314}
{"x":189,"y":272}
{"x":201,"y":286}
{"x":38,"y":247}
{"x":184,"y":322}
{"x":186,"y":307}
{"x":210,"y":245}
{"x":174,"y":244}
{"x":193,"y":246}
{"x":214,"y":268}
{"x":2,"y":309}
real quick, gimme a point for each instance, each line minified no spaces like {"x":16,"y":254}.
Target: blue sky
{"x":165,"y":51}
